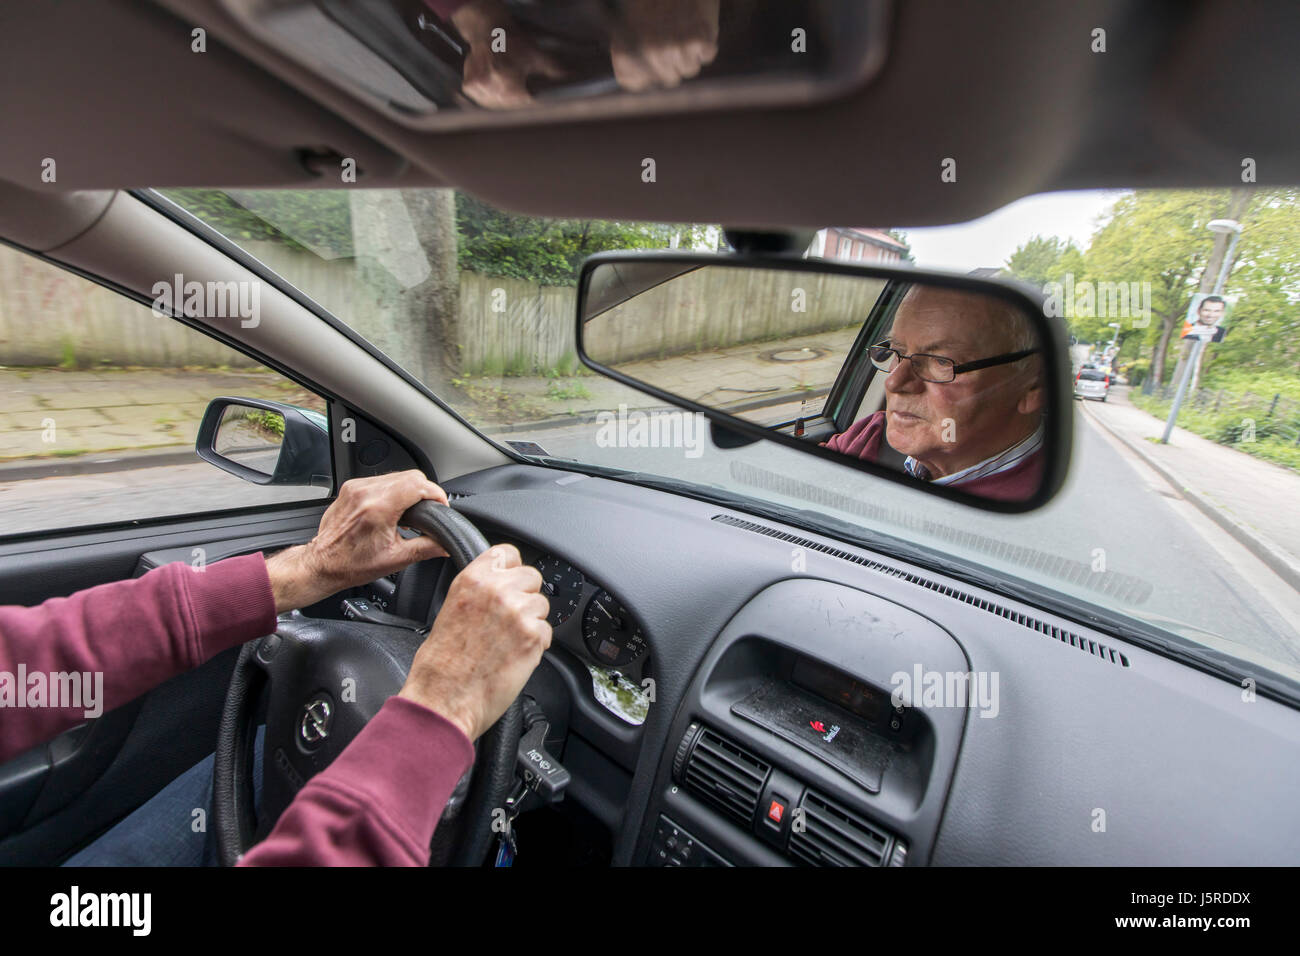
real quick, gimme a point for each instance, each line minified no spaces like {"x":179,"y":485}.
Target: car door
{"x":100,"y":482}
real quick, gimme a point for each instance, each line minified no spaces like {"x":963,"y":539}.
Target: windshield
{"x":479,"y":305}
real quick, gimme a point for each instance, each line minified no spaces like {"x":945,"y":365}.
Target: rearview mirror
{"x":266,"y":442}
{"x":954,"y":385}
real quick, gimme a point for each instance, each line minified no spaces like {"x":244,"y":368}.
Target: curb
{"x":579,"y":418}
{"x":1283,"y":565}
{"x":97,"y":463}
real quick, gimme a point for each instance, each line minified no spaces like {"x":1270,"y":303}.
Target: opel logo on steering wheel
{"x":315,"y":724}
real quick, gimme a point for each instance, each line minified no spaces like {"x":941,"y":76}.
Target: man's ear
{"x":1034,"y":400}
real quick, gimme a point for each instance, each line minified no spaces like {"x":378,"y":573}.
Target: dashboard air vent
{"x":834,"y":836}
{"x":1094,"y":648}
{"x":726,"y":775}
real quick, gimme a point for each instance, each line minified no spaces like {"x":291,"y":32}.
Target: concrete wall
{"x":721,"y":307}
{"x":50,"y":317}
{"x":510,"y":324}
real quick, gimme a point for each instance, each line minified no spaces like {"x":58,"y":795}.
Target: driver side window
{"x":100,"y":404}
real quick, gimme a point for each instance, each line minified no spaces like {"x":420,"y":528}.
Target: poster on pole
{"x":1205,"y":316}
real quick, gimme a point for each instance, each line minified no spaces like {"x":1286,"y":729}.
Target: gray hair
{"x":1021,"y":336}
{"x":1016,"y":326}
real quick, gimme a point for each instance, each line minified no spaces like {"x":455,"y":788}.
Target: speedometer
{"x":562,"y":585}
{"x":610,"y":633}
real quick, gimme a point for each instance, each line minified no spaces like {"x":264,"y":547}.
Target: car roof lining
{"x":1021,"y":103}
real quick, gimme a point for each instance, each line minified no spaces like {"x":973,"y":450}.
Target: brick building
{"x":855,"y":244}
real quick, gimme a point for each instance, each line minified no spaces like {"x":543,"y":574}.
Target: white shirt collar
{"x":1003,"y":461}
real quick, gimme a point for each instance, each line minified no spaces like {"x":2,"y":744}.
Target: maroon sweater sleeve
{"x":861,"y":439}
{"x":377,"y":804}
{"x":114,"y":642}
{"x":1014,"y":484}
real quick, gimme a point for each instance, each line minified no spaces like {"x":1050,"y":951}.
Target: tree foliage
{"x":490,"y":241}
{"x":498,"y":243}
{"x":1159,"y":240}
{"x":1039,"y":260}
{"x":1265,"y":323}
{"x":318,"y":220}
{"x":900,"y":236}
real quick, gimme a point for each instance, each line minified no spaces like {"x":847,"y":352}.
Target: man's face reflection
{"x":951,"y":426}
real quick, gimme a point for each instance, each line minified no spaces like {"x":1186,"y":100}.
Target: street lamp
{"x":1220,"y":227}
{"x":1114,"y":338}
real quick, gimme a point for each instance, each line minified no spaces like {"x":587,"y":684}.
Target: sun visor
{"x":451,"y":64}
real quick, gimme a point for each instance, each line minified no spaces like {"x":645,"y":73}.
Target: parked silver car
{"x":1092,"y":383}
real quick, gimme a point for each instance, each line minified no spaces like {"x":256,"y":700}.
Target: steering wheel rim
{"x":304,"y":653}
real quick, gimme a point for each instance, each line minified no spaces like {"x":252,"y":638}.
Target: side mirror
{"x":956,"y":386}
{"x":265,"y":442}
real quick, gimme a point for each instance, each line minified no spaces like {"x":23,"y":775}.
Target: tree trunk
{"x":435,"y":303}
{"x":1196,"y":369}
{"x":408,"y":283}
{"x":1162,"y":347}
{"x":1184,"y":350}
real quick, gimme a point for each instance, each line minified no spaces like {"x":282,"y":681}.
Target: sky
{"x":989,"y":241}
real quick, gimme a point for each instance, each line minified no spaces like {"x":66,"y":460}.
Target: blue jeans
{"x":166,"y":831}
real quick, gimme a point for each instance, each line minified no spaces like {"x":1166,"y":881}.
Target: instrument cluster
{"x":587,"y":618}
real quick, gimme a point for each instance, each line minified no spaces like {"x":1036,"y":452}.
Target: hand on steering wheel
{"x":474,"y":662}
{"x":487,"y":639}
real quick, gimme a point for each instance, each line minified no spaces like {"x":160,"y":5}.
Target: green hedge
{"x":1274,"y":438}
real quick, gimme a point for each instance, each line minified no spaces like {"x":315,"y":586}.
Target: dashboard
{"x":788,"y":718}
{"x":717,"y":703}
{"x":598,"y":629}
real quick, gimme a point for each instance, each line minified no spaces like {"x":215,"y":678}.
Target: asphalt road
{"x":1162,"y":560}
{"x":48,"y":504}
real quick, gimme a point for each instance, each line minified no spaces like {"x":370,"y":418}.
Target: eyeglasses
{"x":936,"y":368}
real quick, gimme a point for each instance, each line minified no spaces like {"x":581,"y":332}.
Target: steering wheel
{"x":326,"y":679}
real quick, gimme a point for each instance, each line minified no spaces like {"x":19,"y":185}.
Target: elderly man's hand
{"x":662,"y":42}
{"x":357,"y":541}
{"x":489,"y":636}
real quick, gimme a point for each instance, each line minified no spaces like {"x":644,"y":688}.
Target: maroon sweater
{"x":377,"y":804}
{"x":863,"y":440}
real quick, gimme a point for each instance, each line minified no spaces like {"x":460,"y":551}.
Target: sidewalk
{"x":744,"y":379}
{"x":1255,"y":501}
{"x":62,"y":420}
